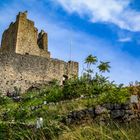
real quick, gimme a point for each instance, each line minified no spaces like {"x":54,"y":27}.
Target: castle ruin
{"x":25,"y":59}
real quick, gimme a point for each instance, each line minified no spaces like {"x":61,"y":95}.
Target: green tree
{"x":104,"y":66}
{"x":90,"y":60}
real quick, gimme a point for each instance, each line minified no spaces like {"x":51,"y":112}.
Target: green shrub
{"x":20,"y":114}
{"x":54,"y":94}
{"x":4,"y":100}
{"x":115,"y":95}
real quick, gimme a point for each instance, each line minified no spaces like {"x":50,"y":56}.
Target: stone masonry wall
{"x":23,"y":71}
{"x":103,"y":114}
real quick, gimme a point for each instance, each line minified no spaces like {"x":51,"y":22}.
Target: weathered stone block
{"x":117,"y":114}
{"x":100,"y":110}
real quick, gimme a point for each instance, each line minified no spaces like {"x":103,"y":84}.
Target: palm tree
{"x":104,"y":66}
{"x":90,"y":60}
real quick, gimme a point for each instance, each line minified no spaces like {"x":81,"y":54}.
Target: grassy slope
{"x":52,"y":114}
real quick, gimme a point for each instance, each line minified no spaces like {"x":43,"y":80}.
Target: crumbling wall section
{"x":9,"y":38}
{"x":23,"y":71}
{"x":72,"y":69}
{"x":43,"y":40}
{"x":27,"y":38}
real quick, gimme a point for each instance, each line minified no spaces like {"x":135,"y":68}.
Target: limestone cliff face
{"x":25,"y":59}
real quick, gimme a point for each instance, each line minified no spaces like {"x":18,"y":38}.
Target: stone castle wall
{"x":23,"y":71}
{"x":25,"y":59}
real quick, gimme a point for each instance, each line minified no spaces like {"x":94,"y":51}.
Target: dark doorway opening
{"x":65,"y":78}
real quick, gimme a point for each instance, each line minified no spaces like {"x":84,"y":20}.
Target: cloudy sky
{"x":108,"y":29}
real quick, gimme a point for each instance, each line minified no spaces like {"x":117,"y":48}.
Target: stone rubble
{"x":117,"y":112}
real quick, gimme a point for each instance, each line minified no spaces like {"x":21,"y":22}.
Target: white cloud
{"x":117,"y":12}
{"x":126,"y":39}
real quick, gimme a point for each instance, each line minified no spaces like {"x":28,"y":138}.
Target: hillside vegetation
{"x":19,"y":112}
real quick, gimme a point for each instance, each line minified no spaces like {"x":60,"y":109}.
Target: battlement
{"x":22,"y":15}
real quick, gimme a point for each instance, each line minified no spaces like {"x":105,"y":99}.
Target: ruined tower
{"x":25,"y":59}
{"x":22,"y":37}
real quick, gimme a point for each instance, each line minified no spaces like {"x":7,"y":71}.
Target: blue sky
{"x":108,"y":29}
